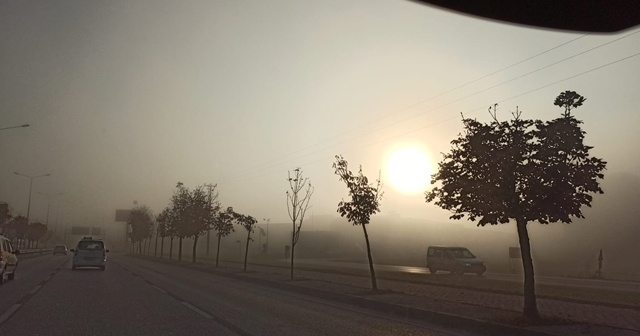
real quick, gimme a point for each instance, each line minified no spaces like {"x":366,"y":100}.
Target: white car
{"x":8,"y":259}
{"x":89,"y":253}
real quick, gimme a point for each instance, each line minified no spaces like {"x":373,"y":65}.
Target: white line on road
{"x":48,"y":278}
{"x":7,"y":314}
{"x":160,"y":289}
{"x":35,"y":289}
{"x":197,"y":310}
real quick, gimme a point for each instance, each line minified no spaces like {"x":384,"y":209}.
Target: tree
{"x":223,"y":225}
{"x":179,"y":208}
{"x":365,"y":201}
{"x":194,"y":213}
{"x":519,"y":170}
{"x":141,"y":223}
{"x":35,"y":232}
{"x":249,"y":224}
{"x":298,"y":197}
{"x":162,"y":222}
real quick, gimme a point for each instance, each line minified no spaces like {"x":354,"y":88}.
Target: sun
{"x":409,"y":170}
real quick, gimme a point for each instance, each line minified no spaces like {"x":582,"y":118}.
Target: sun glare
{"x":409,"y":170}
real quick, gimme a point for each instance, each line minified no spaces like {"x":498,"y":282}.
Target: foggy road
{"x":138,"y":297}
{"x":540,"y":280}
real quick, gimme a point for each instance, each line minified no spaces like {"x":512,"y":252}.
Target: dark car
{"x":458,"y":260}
{"x":60,"y":249}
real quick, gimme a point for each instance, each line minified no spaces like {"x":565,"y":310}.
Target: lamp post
{"x":267,"y":220}
{"x":30,"y":189}
{"x":10,"y":127}
{"x":49,"y":204}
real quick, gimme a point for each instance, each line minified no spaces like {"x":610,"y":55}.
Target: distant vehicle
{"x":458,"y":260}
{"x":60,"y":249}
{"x":89,"y":253}
{"x":8,"y":259}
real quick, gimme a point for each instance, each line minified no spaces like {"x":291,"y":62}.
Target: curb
{"x":444,"y":319}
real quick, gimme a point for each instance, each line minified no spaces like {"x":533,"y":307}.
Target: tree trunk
{"x":171,"y":249}
{"x":155,"y":248}
{"x":180,"y":249}
{"x":144,"y":246}
{"x":530,"y":309}
{"x":218,"y":250}
{"x":208,"y":241}
{"x":161,"y":247}
{"x":374,"y":284}
{"x":292,"y":249}
{"x":193,"y":252}
{"x":246,"y":250}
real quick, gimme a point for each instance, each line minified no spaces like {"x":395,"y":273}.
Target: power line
{"x":278,"y":161}
{"x":418,"y":103}
{"x":240,"y":178}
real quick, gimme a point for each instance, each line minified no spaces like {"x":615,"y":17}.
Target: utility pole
{"x":210,"y":186}
{"x":267,"y":220}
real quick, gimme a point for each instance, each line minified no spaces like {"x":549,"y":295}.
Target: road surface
{"x":540,"y":280}
{"x":139,"y":297}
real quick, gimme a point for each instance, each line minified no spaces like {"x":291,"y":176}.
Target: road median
{"x":488,"y":318}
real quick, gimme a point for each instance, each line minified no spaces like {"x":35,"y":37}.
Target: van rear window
{"x":90,"y":245}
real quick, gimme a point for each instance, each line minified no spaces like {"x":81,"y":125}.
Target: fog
{"x":126,"y":99}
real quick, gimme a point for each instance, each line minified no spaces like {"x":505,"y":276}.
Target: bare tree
{"x":298,"y":197}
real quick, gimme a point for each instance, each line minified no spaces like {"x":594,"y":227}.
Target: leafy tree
{"x":35,"y":232}
{"x":194,"y":212}
{"x":298,"y":197}
{"x":365,"y":201}
{"x":521,"y":170}
{"x":223,"y":225}
{"x":249,"y":224}
{"x":141,"y":223}
{"x":162,"y":222}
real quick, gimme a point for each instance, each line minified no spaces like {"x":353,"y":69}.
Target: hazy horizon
{"x":126,"y":99}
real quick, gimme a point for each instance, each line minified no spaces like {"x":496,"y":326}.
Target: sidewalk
{"x":476,"y":309}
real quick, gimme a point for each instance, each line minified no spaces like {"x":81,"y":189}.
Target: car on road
{"x":8,"y":259}
{"x":60,"y":249}
{"x":458,"y":260}
{"x":89,"y":253}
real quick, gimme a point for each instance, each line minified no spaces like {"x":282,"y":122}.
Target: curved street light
{"x":10,"y":127}
{"x":30,"y":189}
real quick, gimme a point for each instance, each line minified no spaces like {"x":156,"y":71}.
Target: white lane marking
{"x":7,"y":314}
{"x":197,"y":310}
{"x":160,"y":289}
{"x":35,"y":289}
{"x":48,"y":278}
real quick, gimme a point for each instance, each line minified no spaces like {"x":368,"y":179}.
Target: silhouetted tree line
{"x":22,"y":233}
{"x":191,"y":213}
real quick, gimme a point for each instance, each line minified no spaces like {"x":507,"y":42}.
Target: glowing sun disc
{"x":408,"y":170}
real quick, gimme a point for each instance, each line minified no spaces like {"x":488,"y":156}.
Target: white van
{"x":8,"y":259}
{"x":89,"y":253}
{"x":458,"y":260}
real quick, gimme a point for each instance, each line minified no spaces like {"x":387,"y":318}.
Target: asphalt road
{"x":139,"y":297}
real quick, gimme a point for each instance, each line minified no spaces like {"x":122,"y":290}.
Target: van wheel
{"x":479,"y":273}
{"x":2,"y":277}
{"x":432,"y":270}
{"x":73,"y":268}
{"x":102,"y":268}
{"x":12,"y":275}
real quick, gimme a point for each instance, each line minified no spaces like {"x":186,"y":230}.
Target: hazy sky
{"x":125,"y":98}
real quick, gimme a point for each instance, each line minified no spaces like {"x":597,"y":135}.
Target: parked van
{"x":458,"y":260}
{"x":89,"y":253}
{"x":8,"y":259}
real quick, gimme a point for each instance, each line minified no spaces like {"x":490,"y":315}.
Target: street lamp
{"x":266,"y":250}
{"x":49,"y":204}
{"x":10,"y":127}
{"x":30,"y":189}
